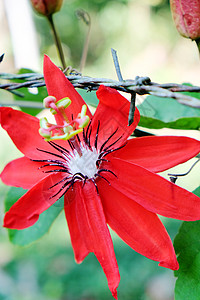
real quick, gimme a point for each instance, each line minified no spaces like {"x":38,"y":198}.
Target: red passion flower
{"x":108,"y":180}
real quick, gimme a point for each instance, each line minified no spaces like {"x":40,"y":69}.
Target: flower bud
{"x":186,"y":15}
{"x":46,"y":7}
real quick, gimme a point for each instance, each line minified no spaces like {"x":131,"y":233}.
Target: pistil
{"x":65,"y":130}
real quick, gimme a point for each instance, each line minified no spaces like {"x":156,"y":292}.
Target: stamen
{"x":83,"y":162}
{"x":65,"y":130}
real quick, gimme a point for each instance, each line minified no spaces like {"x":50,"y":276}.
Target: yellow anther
{"x":67,"y":129}
{"x":73,"y":133}
{"x":83,"y":111}
{"x":85,"y":122}
{"x":44,"y":133}
{"x":44,"y":123}
{"x":65,"y":102}
{"x":66,"y":136}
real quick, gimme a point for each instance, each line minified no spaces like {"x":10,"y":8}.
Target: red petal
{"x":23,"y":172}
{"x":153,"y":192}
{"x":112,"y":112}
{"x":60,"y":87}
{"x":25,"y":212}
{"x":80,"y":250}
{"x":159,"y":153}
{"x":23,"y":130}
{"x":140,"y":229}
{"x":95,"y":233}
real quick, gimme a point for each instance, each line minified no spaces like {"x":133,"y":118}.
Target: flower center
{"x":84,"y":164}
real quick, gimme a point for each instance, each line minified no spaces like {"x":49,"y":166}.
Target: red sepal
{"x":25,"y":212}
{"x":60,"y":87}
{"x":159,"y":153}
{"x":112,"y":112}
{"x":153,"y":192}
{"x":94,"y":232}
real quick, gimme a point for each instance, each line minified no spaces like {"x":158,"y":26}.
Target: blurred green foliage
{"x":110,"y":22}
{"x":73,"y":30}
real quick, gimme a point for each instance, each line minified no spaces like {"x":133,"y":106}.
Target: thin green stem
{"x":87,"y":20}
{"x":57,"y":41}
{"x":85,"y":50}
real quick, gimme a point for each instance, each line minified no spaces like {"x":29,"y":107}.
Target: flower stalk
{"x":57,"y":41}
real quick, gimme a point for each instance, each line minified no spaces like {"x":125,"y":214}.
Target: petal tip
{"x":47,"y":59}
{"x":14,"y":221}
{"x":114,"y":294}
{"x":170,"y":265}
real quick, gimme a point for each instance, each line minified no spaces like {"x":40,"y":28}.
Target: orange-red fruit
{"x":186,"y":15}
{"x":47,"y":7}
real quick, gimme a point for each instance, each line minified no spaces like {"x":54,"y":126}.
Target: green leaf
{"x":29,"y":235}
{"x":157,"y":112}
{"x":36,"y":95}
{"x":187,"y":247}
{"x":89,"y":97}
